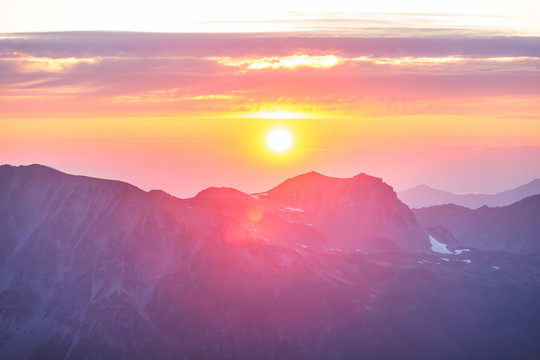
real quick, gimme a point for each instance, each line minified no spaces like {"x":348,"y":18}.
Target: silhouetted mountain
{"x":99,"y":269}
{"x":425,"y":196}
{"x":514,"y":228}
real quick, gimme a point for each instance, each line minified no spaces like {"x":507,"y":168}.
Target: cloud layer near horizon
{"x":124,"y":72}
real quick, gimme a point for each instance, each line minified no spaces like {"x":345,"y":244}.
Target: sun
{"x":279,"y":140}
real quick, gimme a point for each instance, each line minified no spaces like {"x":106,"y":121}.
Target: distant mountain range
{"x":424,"y":196}
{"x":315,"y":268}
{"x":514,"y":228}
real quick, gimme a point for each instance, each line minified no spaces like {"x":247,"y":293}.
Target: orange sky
{"x":183,"y":112}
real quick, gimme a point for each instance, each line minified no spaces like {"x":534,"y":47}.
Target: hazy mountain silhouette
{"x":425,"y":196}
{"x":96,"y":268}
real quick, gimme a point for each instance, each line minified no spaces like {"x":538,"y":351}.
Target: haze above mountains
{"x":315,"y":268}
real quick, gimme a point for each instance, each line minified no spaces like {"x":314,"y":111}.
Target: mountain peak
{"x":221,"y":193}
{"x":357,"y":212}
{"x":312,"y":176}
{"x":314,"y":179}
{"x":31,"y":168}
{"x":313,"y":173}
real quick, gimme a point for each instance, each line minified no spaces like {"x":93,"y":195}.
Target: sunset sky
{"x":179,"y":99}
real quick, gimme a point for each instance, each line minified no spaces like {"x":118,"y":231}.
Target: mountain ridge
{"x":362,"y":202}
{"x":95,"y":268}
{"x":425,"y":196}
{"x":513,"y":228}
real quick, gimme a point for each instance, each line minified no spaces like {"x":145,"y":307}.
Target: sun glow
{"x":278,"y":114}
{"x":282,"y":62}
{"x":279,"y":140}
{"x":282,"y":115}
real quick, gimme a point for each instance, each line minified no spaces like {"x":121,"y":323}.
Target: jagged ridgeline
{"x":315,"y":268}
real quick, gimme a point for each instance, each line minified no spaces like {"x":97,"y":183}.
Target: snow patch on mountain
{"x":257,"y":196}
{"x":438,"y":246}
{"x":288,"y":208}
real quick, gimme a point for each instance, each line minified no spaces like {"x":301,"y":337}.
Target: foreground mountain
{"x":100,"y":269}
{"x":360,"y":213}
{"x":425,"y":196}
{"x":514,"y":228}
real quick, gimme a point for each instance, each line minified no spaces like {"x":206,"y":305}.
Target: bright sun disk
{"x":279,"y":140}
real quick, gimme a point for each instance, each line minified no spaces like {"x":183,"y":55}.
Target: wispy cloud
{"x":423,"y":63}
{"x":183,"y":72}
{"x":278,"y":62}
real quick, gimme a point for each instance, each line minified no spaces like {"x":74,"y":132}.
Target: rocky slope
{"x":357,"y":213}
{"x":98,"y":269}
{"x":514,"y":228}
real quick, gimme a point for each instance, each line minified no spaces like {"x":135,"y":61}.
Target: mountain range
{"x":425,"y":196}
{"x":514,"y":228}
{"x":315,"y":268}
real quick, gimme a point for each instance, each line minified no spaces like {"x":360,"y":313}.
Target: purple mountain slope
{"x":425,"y":196}
{"x":99,"y":269}
{"x":514,"y":228}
